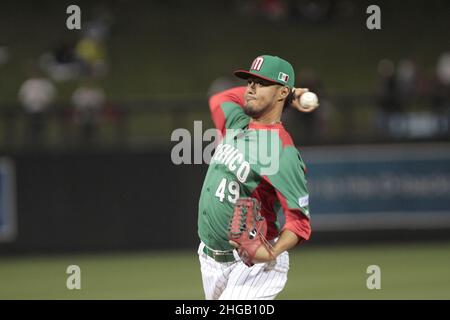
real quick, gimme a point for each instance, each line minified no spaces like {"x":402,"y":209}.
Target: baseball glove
{"x":248,"y":228}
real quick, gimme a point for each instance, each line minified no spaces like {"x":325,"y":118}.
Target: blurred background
{"x":86,"y":118}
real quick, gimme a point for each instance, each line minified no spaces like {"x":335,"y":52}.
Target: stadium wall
{"x":91,"y":201}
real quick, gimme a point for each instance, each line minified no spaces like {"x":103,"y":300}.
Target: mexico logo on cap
{"x":257,"y":64}
{"x":283,"y":77}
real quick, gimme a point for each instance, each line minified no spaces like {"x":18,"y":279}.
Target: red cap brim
{"x":244,"y":74}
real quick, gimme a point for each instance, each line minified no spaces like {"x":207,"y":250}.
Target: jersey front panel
{"x":233,"y":173}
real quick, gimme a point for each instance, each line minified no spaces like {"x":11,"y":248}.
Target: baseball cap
{"x":271,"y":68}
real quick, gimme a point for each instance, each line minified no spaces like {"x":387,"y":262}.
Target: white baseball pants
{"x":235,"y":281}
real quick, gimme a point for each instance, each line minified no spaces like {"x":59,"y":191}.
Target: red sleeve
{"x":296,"y":221}
{"x":235,"y":95}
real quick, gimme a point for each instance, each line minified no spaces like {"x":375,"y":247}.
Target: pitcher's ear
{"x":284,"y":92}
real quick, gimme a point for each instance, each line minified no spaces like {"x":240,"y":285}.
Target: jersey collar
{"x":253,"y":125}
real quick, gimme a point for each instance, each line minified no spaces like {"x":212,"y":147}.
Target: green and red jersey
{"x":252,"y":160}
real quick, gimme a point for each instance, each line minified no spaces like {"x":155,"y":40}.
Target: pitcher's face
{"x":260,"y":96}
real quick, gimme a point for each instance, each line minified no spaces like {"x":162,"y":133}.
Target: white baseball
{"x":309,"y":100}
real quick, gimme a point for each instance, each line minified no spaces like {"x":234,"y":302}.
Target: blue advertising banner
{"x":371,"y":187}
{"x":7,"y":201}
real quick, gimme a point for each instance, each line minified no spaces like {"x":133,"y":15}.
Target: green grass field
{"x":413,"y":271}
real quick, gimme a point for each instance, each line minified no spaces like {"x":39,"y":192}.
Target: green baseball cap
{"x":270,"y":68}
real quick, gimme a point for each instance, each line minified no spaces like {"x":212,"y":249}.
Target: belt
{"x":219,"y":256}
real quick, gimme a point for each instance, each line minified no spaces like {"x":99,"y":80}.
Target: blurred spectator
{"x":87,"y":57}
{"x":92,"y":54}
{"x":88,"y":101}
{"x":36,"y":95}
{"x":443,"y":69}
{"x":387,"y":97}
{"x":398,"y":93}
{"x":440,"y":98}
{"x":406,"y":78}
{"x":91,"y":49}
{"x":61,"y":64}
{"x":387,"y":87}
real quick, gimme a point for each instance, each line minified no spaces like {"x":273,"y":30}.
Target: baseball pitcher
{"x":254,"y":203}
